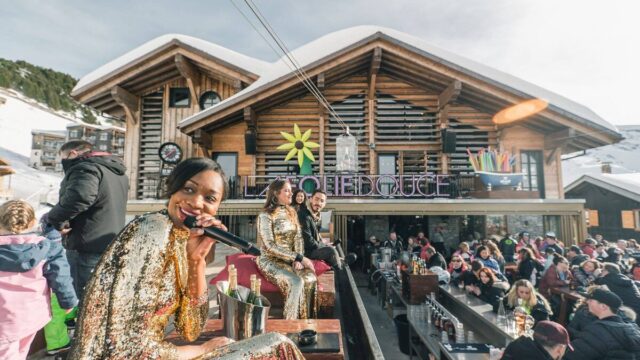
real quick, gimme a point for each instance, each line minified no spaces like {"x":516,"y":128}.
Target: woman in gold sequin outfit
{"x":282,"y":261}
{"x":155,"y":268}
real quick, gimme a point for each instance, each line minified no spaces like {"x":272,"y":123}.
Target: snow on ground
{"x":623,"y":156}
{"x":28,"y":183}
{"x":19,"y":115}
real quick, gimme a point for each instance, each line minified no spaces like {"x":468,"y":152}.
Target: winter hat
{"x":552,"y":332}
{"x":606,"y":297}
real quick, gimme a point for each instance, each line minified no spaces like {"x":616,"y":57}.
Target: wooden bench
{"x":326,"y":297}
{"x":213,"y":328}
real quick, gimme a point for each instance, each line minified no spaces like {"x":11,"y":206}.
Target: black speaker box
{"x":448,"y":141}
{"x":250,"y":142}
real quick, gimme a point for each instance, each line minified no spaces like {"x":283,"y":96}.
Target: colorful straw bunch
{"x":492,"y":160}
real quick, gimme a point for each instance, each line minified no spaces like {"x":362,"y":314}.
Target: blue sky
{"x":585,"y":50}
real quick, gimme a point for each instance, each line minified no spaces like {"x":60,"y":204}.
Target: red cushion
{"x":246,"y":266}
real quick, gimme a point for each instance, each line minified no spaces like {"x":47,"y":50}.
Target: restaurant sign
{"x":342,"y":185}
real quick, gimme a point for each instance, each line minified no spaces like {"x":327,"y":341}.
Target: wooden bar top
{"x":213,"y":328}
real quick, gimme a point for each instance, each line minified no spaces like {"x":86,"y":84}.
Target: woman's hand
{"x":297,"y":265}
{"x":192,"y":351}
{"x":198,"y":245}
{"x":308,"y":264}
{"x":476,"y":291}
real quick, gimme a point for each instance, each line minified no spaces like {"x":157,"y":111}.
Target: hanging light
{"x":346,"y":153}
{"x":520,"y":111}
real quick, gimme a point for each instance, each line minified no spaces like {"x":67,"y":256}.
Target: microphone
{"x":224,"y":237}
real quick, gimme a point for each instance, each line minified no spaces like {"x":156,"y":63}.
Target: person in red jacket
{"x":558,"y":275}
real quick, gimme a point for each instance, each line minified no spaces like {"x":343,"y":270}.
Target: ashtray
{"x":307,"y":337}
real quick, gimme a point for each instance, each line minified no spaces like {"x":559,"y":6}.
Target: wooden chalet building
{"x":394,"y":91}
{"x":612,"y":207}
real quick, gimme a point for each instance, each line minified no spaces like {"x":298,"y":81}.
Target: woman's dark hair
{"x":528,"y":252}
{"x":559,"y":259}
{"x":476,"y":265}
{"x":489,"y":273}
{"x":480,"y":249}
{"x":295,"y":194}
{"x":189,"y":168}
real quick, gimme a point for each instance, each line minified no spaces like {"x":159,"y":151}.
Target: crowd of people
{"x":521,"y":270}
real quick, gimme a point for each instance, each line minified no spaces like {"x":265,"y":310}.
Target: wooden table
{"x":566,"y":295}
{"x":213,"y":328}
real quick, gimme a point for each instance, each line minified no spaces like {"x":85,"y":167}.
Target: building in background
{"x":104,"y":138}
{"x":612,"y":207}
{"x":44,"y":149}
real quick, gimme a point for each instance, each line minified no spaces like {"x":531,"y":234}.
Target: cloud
{"x":585,"y":50}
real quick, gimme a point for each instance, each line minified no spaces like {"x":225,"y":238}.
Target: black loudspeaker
{"x":250,"y":142}
{"x":448,"y":141}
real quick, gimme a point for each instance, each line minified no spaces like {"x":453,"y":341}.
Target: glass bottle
{"x":257,"y":301}
{"x":233,"y":285}
{"x":252,"y":293}
{"x":502,"y":314}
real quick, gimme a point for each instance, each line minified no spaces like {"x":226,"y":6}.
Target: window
{"x":629,"y":219}
{"x":208,"y":99}
{"x":591,"y":217}
{"x":387,"y":166}
{"x":103,"y":147}
{"x":73,"y":134}
{"x":179,"y":97}
{"x":531,"y":162}
{"x":104,"y":136}
{"x":228,"y":162}
{"x":636,"y":215}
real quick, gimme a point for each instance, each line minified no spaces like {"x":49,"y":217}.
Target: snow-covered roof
{"x":138,"y":54}
{"x":59,"y":133}
{"x":97,"y":127}
{"x":627,"y":185}
{"x":321,"y":49}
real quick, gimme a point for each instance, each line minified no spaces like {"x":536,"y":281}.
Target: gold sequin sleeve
{"x":191,"y":316}
{"x":298,"y":241}
{"x":267,"y":241}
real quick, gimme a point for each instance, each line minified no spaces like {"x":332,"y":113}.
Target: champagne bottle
{"x":233,"y":285}
{"x":257,"y":301}
{"x":252,"y":294}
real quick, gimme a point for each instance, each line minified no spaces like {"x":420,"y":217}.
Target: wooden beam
{"x":202,"y":138}
{"x":374,"y":68}
{"x":558,"y":138}
{"x":127,"y":100}
{"x":189,"y":72}
{"x":250,"y":117}
{"x":552,"y":155}
{"x":320,"y":81}
{"x":450,"y":94}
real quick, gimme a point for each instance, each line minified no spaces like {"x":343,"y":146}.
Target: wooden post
{"x":443,"y":115}
{"x":321,"y":115}
{"x":376,"y":61}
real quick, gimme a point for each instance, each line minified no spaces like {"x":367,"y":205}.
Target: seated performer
{"x":155,"y":268}
{"x":309,"y":219}
{"x":282,"y":261}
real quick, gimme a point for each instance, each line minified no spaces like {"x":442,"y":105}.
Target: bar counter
{"x":478,"y":319}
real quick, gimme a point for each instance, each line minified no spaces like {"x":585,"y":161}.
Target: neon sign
{"x":340,"y":185}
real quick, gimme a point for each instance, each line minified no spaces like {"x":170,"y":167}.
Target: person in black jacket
{"x":489,"y":289}
{"x":91,"y":208}
{"x":309,"y":220}
{"x":621,"y":285}
{"x":609,"y":337}
{"x":434,"y":258}
{"x":582,"y":317}
{"x":550,"y":341}
{"x":507,"y":247}
{"x":527,"y":264}
{"x":575,"y":255}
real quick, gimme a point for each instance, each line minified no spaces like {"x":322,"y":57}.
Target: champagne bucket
{"x":241,"y":320}
{"x":374,"y":259}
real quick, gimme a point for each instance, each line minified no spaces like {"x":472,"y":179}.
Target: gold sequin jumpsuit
{"x":141,"y":281}
{"x":280,"y":238}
